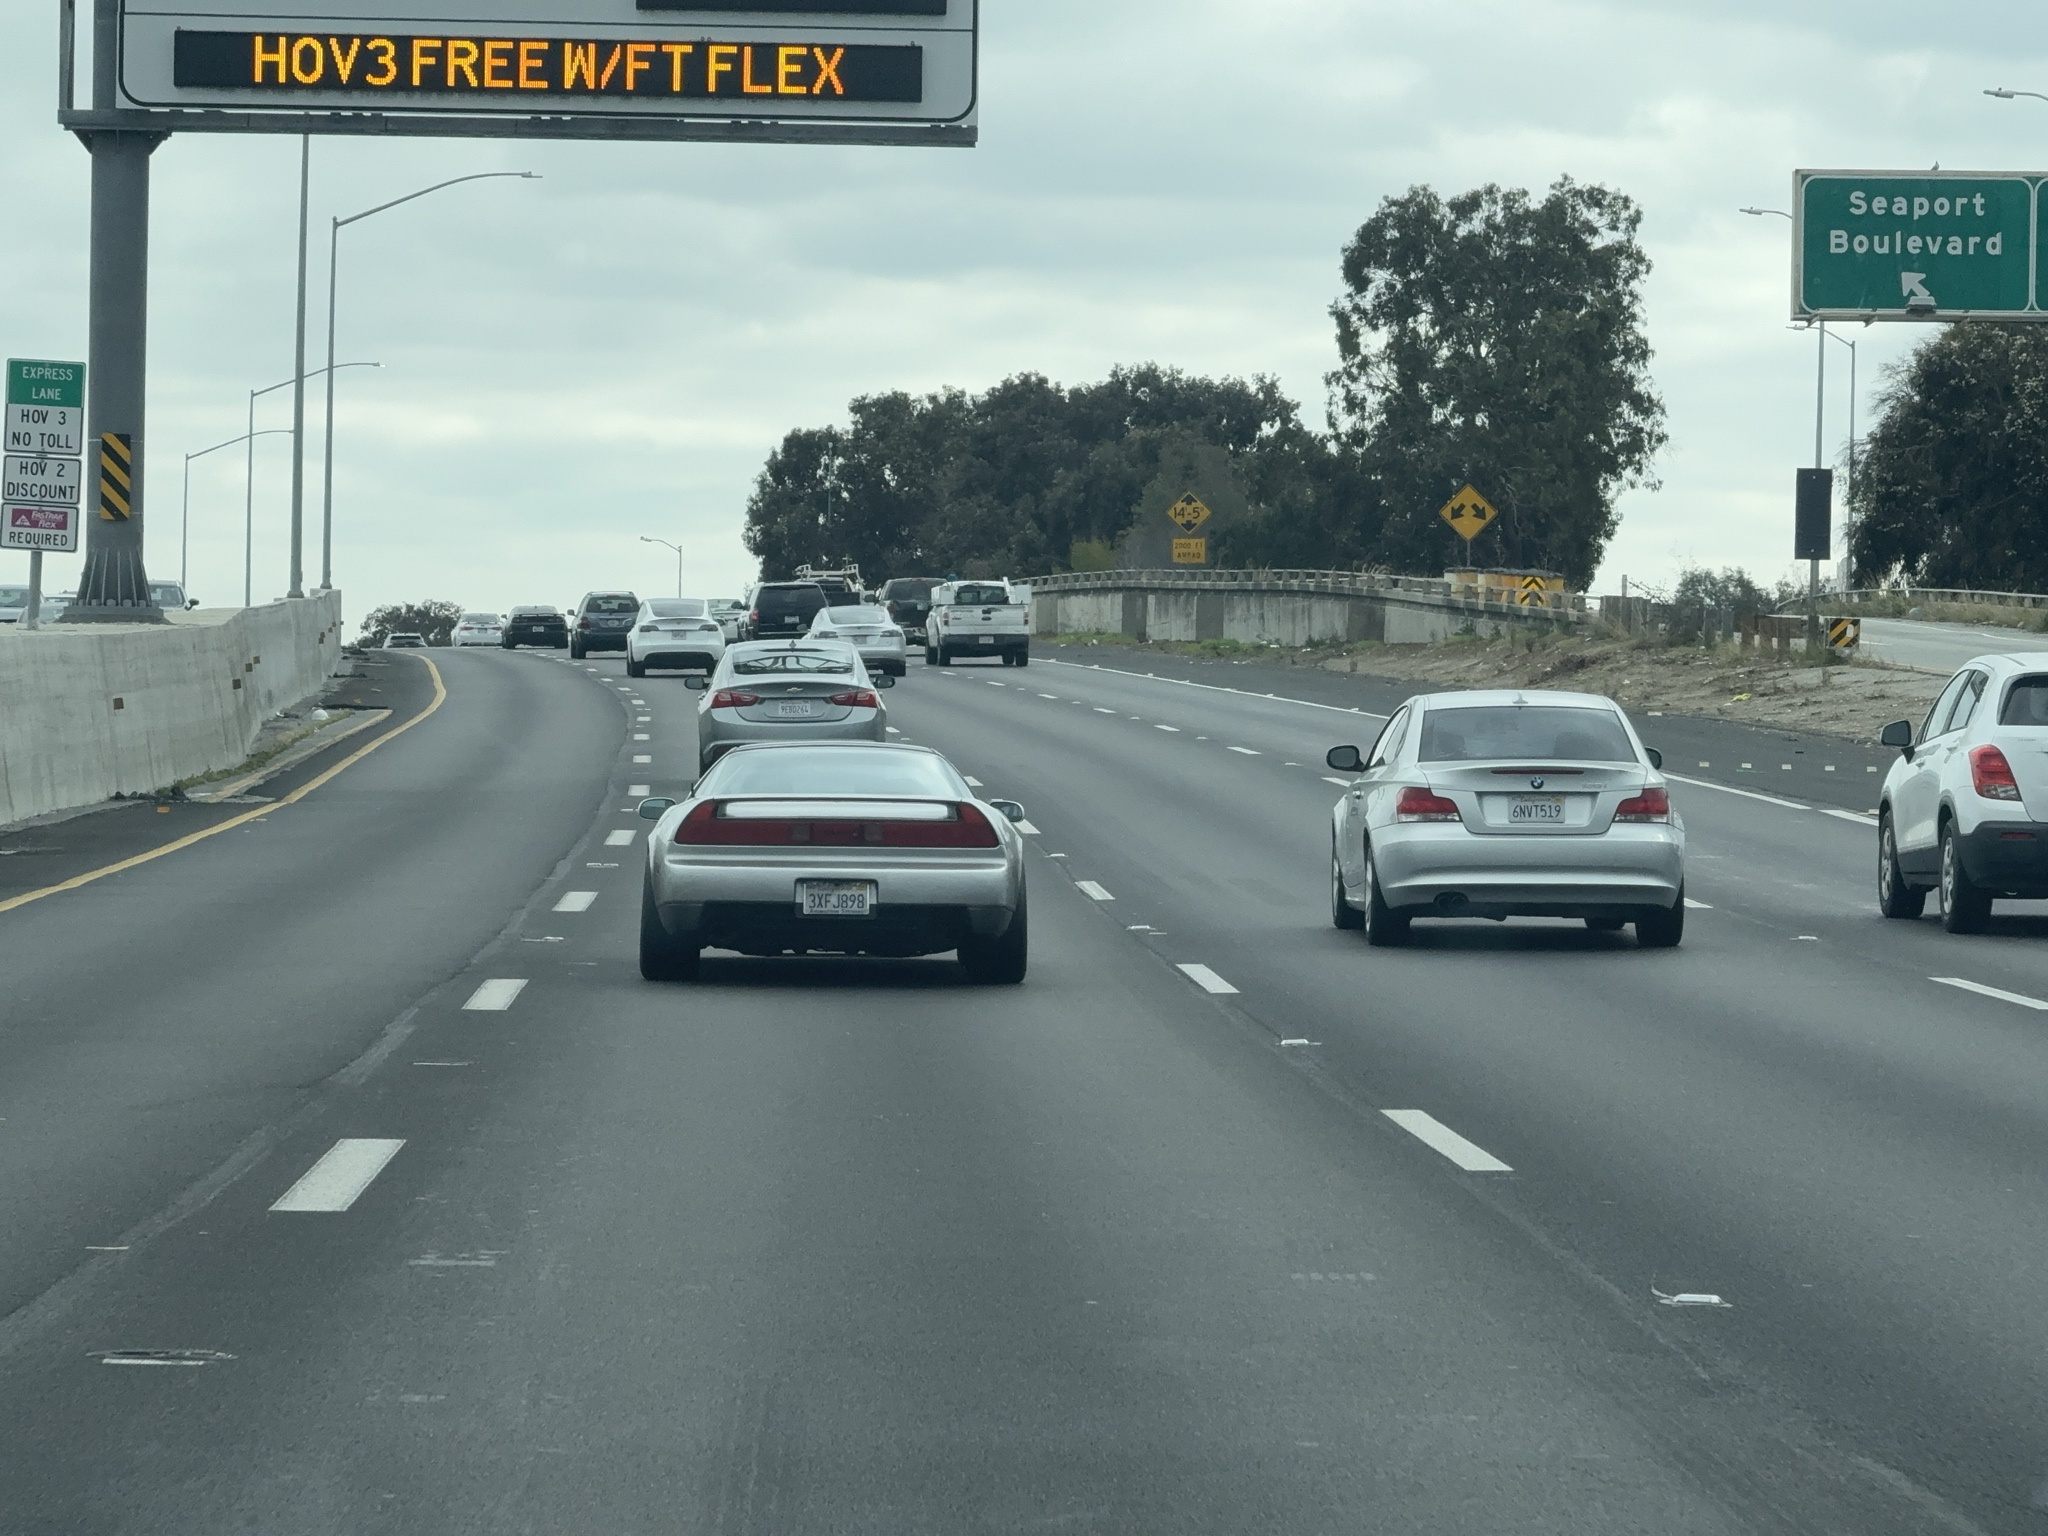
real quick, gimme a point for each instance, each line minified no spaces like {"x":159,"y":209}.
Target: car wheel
{"x":1000,"y":961}
{"x":1023,"y":658}
{"x":635,"y":668}
{"x":663,"y":957}
{"x":1663,"y":930}
{"x":945,"y":657}
{"x":1964,"y":908}
{"x":1342,"y":913}
{"x":1606,"y":924}
{"x":575,"y":651}
{"x":1384,"y":927}
{"x":1895,"y":898}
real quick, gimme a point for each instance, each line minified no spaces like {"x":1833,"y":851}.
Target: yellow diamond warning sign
{"x":1189,"y":512}
{"x":1469,"y":513}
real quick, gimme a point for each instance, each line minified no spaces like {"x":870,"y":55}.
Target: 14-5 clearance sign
{"x":877,"y":64}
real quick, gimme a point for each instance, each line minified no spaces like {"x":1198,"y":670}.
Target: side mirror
{"x":1345,"y":760}
{"x":1009,"y":808}
{"x":696,"y":684}
{"x":886,"y":680}
{"x":1898,"y":734}
{"x":191,"y":603}
{"x":654,"y":809}
{"x":1656,"y":758}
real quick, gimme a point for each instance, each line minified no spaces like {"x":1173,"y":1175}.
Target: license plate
{"x":792,"y":711}
{"x":835,"y":898}
{"x":985,"y":639}
{"x":1524,"y":809}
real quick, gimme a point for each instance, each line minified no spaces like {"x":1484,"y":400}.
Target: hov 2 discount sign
{"x":1915,"y":245}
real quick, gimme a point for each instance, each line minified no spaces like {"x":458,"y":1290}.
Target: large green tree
{"x":1496,"y":338}
{"x":1952,"y":486}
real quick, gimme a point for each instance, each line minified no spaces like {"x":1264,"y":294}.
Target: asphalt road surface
{"x":1942,"y":647}
{"x":353,"y":1181}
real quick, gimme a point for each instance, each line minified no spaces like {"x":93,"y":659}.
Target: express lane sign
{"x":1915,"y":245}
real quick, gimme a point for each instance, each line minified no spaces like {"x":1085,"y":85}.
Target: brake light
{"x":753,"y":616}
{"x":733,"y":698}
{"x":1651,"y":805}
{"x":583,"y":623}
{"x":855,"y":698}
{"x":709,"y":826}
{"x":1418,"y":804}
{"x":1991,"y":775}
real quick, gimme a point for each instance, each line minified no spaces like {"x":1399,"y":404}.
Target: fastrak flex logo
{"x":39,"y":519}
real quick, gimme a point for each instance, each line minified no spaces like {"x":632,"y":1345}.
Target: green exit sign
{"x":35,"y":381}
{"x":1915,"y":245}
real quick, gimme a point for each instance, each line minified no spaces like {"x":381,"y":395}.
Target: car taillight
{"x":583,"y":623}
{"x":1991,"y":775}
{"x":1651,"y":805}
{"x":856,"y":698}
{"x":754,"y":616}
{"x":709,"y":826}
{"x":1418,"y":804}
{"x":733,"y":698}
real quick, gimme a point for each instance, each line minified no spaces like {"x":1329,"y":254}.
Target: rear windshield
{"x":805,"y":600}
{"x":13,"y":597}
{"x":2026,"y":704}
{"x":916,"y":588}
{"x":772,"y":663}
{"x":162,"y":592}
{"x":479,"y":618}
{"x":831,"y":771}
{"x":623,"y":604}
{"x":534,"y":613}
{"x":861,"y":615}
{"x":676,"y":607}
{"x":978,"y":596}
{"x":1537,"y":733}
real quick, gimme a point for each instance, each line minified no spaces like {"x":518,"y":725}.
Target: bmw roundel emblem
{"x":1536,"y":783}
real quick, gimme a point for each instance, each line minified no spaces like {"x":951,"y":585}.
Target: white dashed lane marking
{"x":339,"y":1178}
{"x":642,"y":736}
{"x":1246,"y":752}
{"x":972,"y":781}
{"x":1981,"y":990}
{"x":1092,"y":891}
{"x":1207,"y":980}
{"x":639,"y":789}
{"x":642,"y":760}
{"x":576,"y":901}
{"x":1340,"y":783}
{"x":1101,"y":711}
{"x":1698,"y":906}
{"x":1433,"y":1133}
{"x":1173,"y":728}
{"x":623,"y":838}
{"x":1027,"y":829}
{"x":495,"y":996}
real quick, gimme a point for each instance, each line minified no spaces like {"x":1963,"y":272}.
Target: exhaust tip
{"x":1452,"y":901}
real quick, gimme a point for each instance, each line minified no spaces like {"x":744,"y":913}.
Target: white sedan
{"x":869,"y":630}
{"x":679,"y":632}
{"x":480,"y":629}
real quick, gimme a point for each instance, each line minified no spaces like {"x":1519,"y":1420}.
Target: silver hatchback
{"x":788,"y":690}
{"x":1498,"y":805}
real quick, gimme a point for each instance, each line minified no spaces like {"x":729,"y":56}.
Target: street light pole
{"x":679,"y":558}
{"x":1820,"y":398}
{"x":335,"y":228}
{"x":185,"y":508}
{"x":298,"y":587}
{"x":249,"y":470}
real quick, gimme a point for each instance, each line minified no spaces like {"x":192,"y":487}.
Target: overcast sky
{"x":613,"y":350}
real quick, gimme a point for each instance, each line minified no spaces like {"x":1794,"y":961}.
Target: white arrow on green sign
{"x":1915,"y":245}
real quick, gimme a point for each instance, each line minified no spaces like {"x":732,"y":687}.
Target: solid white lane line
{"x":623,"y":838}
{"x":639,"y":789}
{"x":972,"y":781}
{"x":495,"y":996}
{"x":1858,"y":817}
{"x":1698,"y":906}
{"x":1208,"y":980}
{"x":576,"y":901}
{"x":1729,"y":789}
{"x":333,"y":1183}
{"x":1246,"y":693}
{"x":1433,"y":1133}
{"x":642,"y":759}
{"x":1247,"y":752}
{"x":1173,"y":728}
{"x":1092,"y":891}
{"x":1983,"y":991}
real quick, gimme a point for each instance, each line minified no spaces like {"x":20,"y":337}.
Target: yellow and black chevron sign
{"x":117,"y":466}
{"x":1845,"y":634}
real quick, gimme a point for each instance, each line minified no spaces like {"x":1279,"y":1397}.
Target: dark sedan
{"x":535,"y":624}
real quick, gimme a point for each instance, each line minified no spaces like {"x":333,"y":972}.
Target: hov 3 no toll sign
{"x":1916,"y":245}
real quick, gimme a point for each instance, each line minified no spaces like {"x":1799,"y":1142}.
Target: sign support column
{"x":113,"y":587}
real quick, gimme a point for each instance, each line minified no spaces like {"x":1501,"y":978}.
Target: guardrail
{"x":1336,"y":583}
{"x":1957,"y":595}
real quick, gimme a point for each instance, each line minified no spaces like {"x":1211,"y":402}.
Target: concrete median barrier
{"x":91,"y":711}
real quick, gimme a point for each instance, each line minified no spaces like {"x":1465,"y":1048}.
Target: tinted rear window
{"x":627,"y":603}
{"x":1532,"y":733}
{"x":535,"y":613}
{"x":479,"y":618}
{"x":909,"y":588}
{"x":13,"y":597}
{"x":2027,"y":703}
{"x":831,"y":771}
{"x":794,"y":663}
{"x":864,"y":614}
{"x":980,"y":596}
{"x":676,"y":607}
{"x":782,"y":601}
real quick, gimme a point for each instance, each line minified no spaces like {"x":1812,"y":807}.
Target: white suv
{"x":1965,"y":808}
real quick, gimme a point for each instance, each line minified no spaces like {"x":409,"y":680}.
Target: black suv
{"x":603,"y":621}
{"x":909,"y":601}
{"x":536,"y":624}
{"x":783,"y":608}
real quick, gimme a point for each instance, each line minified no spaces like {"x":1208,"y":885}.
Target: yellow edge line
{"x":440,"y":696}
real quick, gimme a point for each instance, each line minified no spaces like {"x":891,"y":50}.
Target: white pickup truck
{"x":978,"y":618}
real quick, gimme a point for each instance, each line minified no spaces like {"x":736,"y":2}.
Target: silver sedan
{"x":841,"y":850}
{"x":869,"y":630}
{"x":788,"y":690}
{"x":1503,"y":805}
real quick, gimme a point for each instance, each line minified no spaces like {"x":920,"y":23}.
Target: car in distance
{"x":674,"y":632}
{"x":1507,"y":804}
{"x":978,"y":618}
{"x":405,"y":640}
{"x":778,"y":609}
{"x":170,"y":597}
{"x":869,"y":630}
{"x":1964,"y":810}
{"x":731,"y":614}
{"x":603,"y":621}
{"x":479,"y":629}
{"x":788,"y":690}
{"x":13,"y":604}
{"x":536,"y":624}
{"x":842,"y":849}
{"x":909,"y":601}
